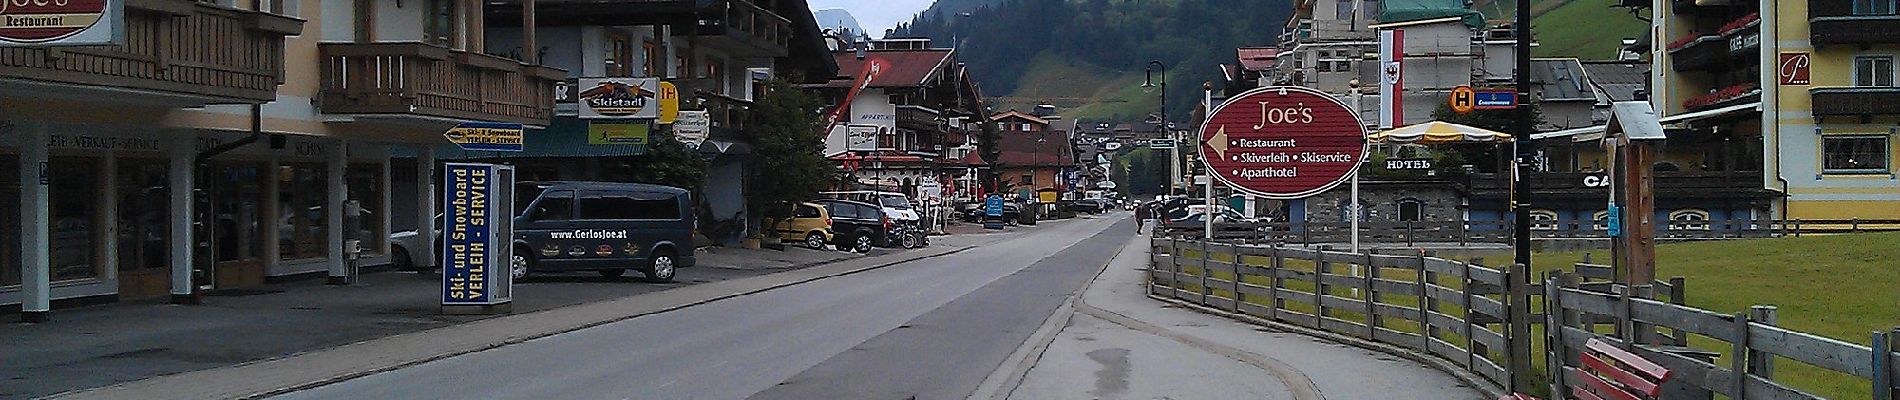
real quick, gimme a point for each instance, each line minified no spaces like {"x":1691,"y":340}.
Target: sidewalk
{"x":103,"y":345}
{"x":1121,"y":344}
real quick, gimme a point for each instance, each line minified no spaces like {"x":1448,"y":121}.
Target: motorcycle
{"x":910,"y":236}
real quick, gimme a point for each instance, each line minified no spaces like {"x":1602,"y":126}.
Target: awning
{"x":1438,"y":132}
{"x":1596,"y":131}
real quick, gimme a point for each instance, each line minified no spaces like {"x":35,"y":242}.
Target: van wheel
{"x":815,"y":241}
{"x":520,"y":264}
{"x":862,"y":243}
{"x":661,"y":268}
{"x":399,"y":259}
{"x":613,"y":273}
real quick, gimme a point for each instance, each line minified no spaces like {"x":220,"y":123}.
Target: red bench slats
{"x":1601,"y":387}
{"x":1626,"y":378}
{"x":1578,"y":392}
{"x":1631,"y":361}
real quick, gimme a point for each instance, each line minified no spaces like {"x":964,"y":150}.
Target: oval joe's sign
{"x":39,"y":21}
{"x":1283,"y":142}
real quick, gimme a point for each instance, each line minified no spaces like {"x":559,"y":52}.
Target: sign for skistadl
{"x":1283,"y":142}
{"x":61,"y":22}
{"x":605,"y":98}
{"x":476,"y":231}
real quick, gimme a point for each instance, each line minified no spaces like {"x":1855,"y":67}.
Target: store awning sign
{"x":486,"y":136}
{"x":619,"y":98}
{"x":61,"y":22}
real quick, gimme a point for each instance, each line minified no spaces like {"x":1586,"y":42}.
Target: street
{"x":934,"y":328}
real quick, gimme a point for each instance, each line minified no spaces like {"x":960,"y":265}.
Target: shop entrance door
{"x":229,"y":204}
{"x":144,"y":228}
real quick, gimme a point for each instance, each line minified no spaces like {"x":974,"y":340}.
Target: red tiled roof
{"x":908,"y":68}
{"x":1019,"y":114}
{"x":1258,"y":58}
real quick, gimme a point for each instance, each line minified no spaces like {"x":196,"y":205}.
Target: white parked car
{"x":405,"y":247}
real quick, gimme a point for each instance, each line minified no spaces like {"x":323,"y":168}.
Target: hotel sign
{"x":61,"y":22}
{"x":1283,"y":142}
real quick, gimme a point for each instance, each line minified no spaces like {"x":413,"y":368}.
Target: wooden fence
{"x":1637,"y":322}
{"x":1479,"y":318}
{"x":1464,"y":232}
{"x":1473,"y":316}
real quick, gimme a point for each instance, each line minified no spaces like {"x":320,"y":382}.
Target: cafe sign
{"x":1283,"y":142}
{"x":61,"y":22}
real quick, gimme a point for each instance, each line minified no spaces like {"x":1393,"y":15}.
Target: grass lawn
{"x":1843,"y":287}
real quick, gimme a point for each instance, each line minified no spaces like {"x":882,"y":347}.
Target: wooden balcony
{"x":1833,"y":22}
{"x":177,"y":52}
{"x":1701,"y":52}
{"x":918,"y":117}
{"x":415,"y":80}
{"x":1833,"y":101}
{"x":748,"y":27}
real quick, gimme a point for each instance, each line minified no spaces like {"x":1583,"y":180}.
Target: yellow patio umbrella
{"x":1438,"y":132}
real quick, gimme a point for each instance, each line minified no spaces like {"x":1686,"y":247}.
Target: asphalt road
{"x":932,"y":329}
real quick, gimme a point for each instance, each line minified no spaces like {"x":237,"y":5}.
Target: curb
{"x":143,"y":389}
{"x":1489,"y":390}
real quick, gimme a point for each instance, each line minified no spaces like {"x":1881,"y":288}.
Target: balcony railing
{"x":214,"y":54}
{"x":1680,"y":184}
{"x":1834,"y":22}
{"x":1856,"y":100}
{"x":752,"y":26}
{"x":1697,"y":51}
{"x":416,"y":79}
{"x":918,"y":117}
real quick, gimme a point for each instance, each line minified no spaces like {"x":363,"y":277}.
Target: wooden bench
{"x":1610,"y":373}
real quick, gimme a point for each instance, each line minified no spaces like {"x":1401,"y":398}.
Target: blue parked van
{"x":602,"y":226}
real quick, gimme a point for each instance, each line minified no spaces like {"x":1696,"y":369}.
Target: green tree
{"x":788,"y":162}
{"x":667,"y":162}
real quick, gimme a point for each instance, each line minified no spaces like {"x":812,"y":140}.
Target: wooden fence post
{"x":1321,"y":266}
{"x":1555,"y":352}
{"x":1884,"y":344}
{"x":1425,"y":330}
{"x":1678,"y":296}
{"x":1739,"y":363}
{"x":1518,"y":336}
{"x":1273,"y":283}
{"x":1761,"y":363}
{"x":1372,"y":298}
{"x":1238,"y":296}
{"x":1473,"y":349}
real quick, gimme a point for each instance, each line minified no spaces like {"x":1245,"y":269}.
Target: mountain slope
{"x":836,"y":18}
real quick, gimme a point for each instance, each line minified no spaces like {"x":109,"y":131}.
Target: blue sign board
{"x":1495,"y":99}
{"x":993,"y":206}
{"x":1615,"y":221}
{"x":486,"y":136}
{"x":476,"y":229}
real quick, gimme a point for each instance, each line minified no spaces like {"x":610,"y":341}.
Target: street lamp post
{"x":1174,"y":153}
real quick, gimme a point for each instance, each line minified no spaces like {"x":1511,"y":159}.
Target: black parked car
{"x":858,"y":226}
{"x":1091,"y":206}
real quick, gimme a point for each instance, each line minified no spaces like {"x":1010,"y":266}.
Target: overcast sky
{"x":876,"y":15}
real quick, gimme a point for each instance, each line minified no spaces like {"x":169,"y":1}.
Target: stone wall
{"x":1439,"y":201}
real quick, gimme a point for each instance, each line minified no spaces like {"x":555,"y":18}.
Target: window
{"x":619,"y":54}
{"x":1342,"y":66}
{"x":1325,"y":66}
{"x":1411,"y":210}
{"x":804,"y":211}
{"x":302,"y":223}
{"x":366,"y":188}
{"x":652,"y":58}
{"x":1873,"y":71}
{"x":1874,"y":7}
{"x":1854,"y":154}
{"x":144,"y":216}
{"x":1002,"y":126}
{"x":626,"y":206}
{"x":1543,"y":220}
{"x":554,"y":205}
{"x":237,"y":199}
{"x":1343,"y":9}
{"x":1689,"y":220}
{"x":842,"y":210}
{"x":1027,"y":128}
{"x":74,"y":219}
{"x":440,"y":28}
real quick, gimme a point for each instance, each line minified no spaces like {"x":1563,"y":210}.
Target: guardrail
{"x":1472,"y":316}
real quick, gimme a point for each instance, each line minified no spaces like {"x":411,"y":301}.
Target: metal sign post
{"x":478,"y":227}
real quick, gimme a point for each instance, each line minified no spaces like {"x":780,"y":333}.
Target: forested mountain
{"x":1086,"y":56}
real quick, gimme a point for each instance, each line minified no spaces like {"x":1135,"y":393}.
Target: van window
{"x":805,"y":212}
{"x":842,"y":210}
{"x":628,"y":205}
{"x":524,"y":195}
{"x":554,"y":205}
{"x":870,"y":212}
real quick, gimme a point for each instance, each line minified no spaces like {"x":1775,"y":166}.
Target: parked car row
{"x":851,"y":221}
